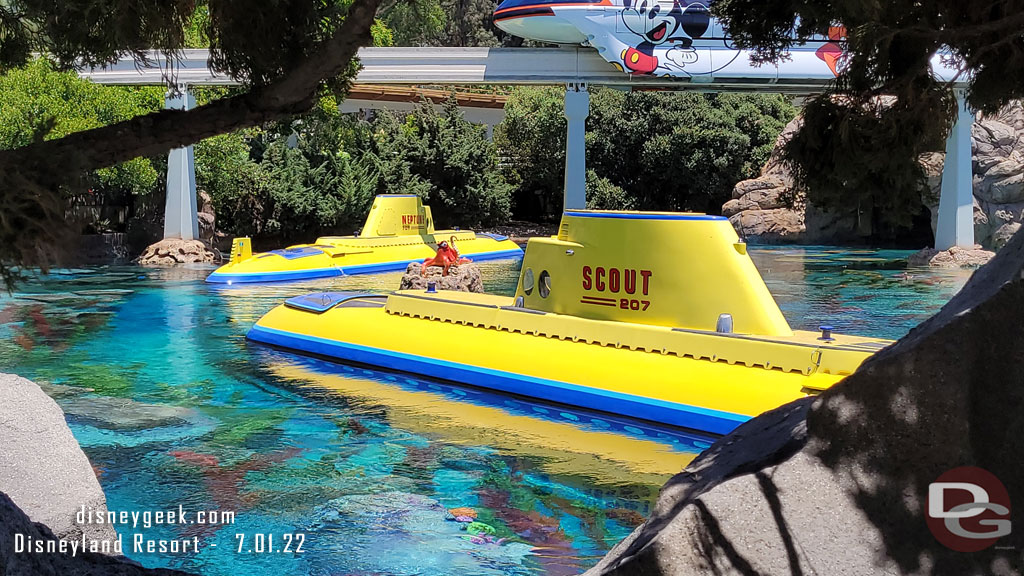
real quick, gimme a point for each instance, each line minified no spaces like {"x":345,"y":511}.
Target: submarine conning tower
{"x":679,"y":270}
{"x":398,"y":215}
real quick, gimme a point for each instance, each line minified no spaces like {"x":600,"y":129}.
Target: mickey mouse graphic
{"x":657,"y":22}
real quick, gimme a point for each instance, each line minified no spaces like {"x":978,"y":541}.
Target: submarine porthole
{"x":544,"y":286}
{"x":528,"y":281}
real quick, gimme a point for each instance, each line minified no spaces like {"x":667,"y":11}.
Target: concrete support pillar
{"x":180,"y":213}
{"x":577,"y":108}
{"x":956,"y":200}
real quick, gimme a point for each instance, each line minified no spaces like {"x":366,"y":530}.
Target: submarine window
{"x":544,"y":287}
{"x":528,"y":281}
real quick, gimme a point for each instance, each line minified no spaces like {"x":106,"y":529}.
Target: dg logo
{"x":968,"y":509}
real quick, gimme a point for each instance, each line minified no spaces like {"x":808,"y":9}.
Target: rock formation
{"x":461,"y":278}
{"x":173,"y":251}
{"x":767,"y":210}
{"x":42,"y":468}
{"x":955,"y":257}
{"x":758,"y":210}
{"x":207,"y":217}
{"x":838,"y":484}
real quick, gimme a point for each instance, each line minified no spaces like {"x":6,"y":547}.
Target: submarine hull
{"x":485,"y":341}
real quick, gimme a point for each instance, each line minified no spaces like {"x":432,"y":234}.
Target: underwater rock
{"x":59,"y":391}
{"x":14,"y":521}
{"x":955,"y":257}
{"x":406,"y":533}
{"x":839,"y":484}
{"x":42,"y":468}
{"x":173,"y":251}
{"x":462,"y":278}
{"x":125,"y":414}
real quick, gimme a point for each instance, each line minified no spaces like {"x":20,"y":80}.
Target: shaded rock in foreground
{"x":14,"y":522}
{"x":955,"y":257}
{"x":462,"y":278}
{"x":838,"y":484}
{"x":42,"y":468}
{"x":173,"y":251}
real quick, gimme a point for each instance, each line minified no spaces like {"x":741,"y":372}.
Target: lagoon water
{"x":174,"y":408}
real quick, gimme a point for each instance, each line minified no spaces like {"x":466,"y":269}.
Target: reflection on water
{"x":174,"y":408}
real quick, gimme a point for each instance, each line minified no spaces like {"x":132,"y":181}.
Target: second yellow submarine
{"x":399,"y":229}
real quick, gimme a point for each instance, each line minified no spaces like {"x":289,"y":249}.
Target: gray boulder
{"x":42,"y":468}
{"x":838,"y":484}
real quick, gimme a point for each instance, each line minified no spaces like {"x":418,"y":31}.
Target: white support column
{"x":956,"y":200}
{"x":577,"y":108}
{"x":180,"y":217}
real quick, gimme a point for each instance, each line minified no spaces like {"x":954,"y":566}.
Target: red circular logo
{"x":968,"y":509}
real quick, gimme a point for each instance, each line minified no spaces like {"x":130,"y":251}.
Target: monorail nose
{"x":539,"y":20}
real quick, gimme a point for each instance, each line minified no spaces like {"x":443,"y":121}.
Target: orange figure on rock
{"x":446,"y":257}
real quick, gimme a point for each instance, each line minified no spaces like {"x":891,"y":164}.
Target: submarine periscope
{"x":652,"y":315}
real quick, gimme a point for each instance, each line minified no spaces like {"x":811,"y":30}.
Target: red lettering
{"x":646,"y":275}
{"x":630,"y":281}
{"x":613,"y":280}
{"x":599,"y":279}
{"x":586,"y":278}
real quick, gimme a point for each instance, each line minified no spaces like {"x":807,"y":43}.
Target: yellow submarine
{"x":651,"y":315}
{"x":399,"y":229}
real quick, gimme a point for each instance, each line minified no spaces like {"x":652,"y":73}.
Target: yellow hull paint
{"x":336,"y":256}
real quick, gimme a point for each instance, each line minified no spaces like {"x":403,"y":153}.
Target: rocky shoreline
{"x":766,"y":209}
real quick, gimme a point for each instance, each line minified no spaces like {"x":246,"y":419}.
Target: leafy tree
{"x":664,"y":151}
{"x":855,"y":147}
{"x":444,"y":159}
{"x":532,"y":138}
{"x":285,"y":52}
{"x":445,"y":23}
{"x":37,"y":101}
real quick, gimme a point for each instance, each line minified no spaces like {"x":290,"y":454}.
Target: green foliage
{"x":417,"y":22}
{"x":648,"y":150}
{"x":37,"y":102}
{"x":603,"y":195}
{"x":445,"y":23}
{"x":532,"y":138}
{"x":195,"y":29}
{"x":456,"y":158}
{"x":854,"y":149}
{"x":89,"y":31}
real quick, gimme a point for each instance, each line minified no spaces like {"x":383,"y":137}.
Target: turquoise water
{"x":174,"y":408}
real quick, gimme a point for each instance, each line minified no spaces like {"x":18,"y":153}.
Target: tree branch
{"x":156,"y":133}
